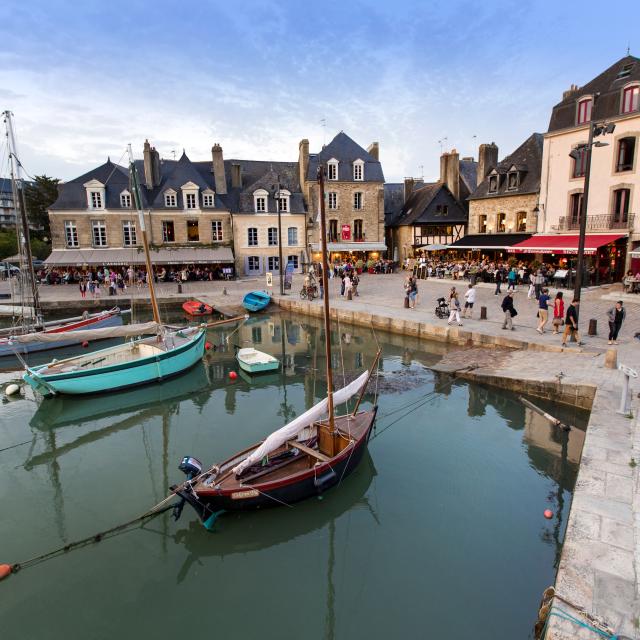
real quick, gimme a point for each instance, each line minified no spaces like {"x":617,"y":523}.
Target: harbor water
{"x":438,"y":534}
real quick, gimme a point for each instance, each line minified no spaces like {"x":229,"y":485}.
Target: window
{"x":71,"y":233}
{"x":442,"y":210}
{"x":575,"y":208}
{"x":193,"y":233}
{"x":357,"y":200}
{"x":252,"y":237}
{"x":273,"y":263}
{"x":170,"y":200}
{"x":493,"y":184}
{"x":501,"y":221}
{"x":358,"y":170}
{"x":125,"y":200}
{"x":283,"y":204}
{"x":621,"y":205}
{"x":584,"y":110}
{"x":624,"y":158}
{"x":579,"y":163}
{"x":253,"y":263}
{"x":512,"y":180}
{"x":272,"y":236}
{"x":333,"y":200}
{"x":333,"y":231}
{"x":358,"y":236}
{"x":292,"y":236}
{"x":208,"y":200}
{"x":294,"y":260}
{"x":216,"y":230}
{"x":168,"y":233}
{"x":129,"y":234}
{"x":256,"y":334}
{"x":95,"y":199}
{"x":332,"y":170}
{"x":625,"y":72}
{"x":261,"y":204}
{"x":99,"y":230}
{"x":482,"y":224}
{"x":631,"y":99}
{"x":190,"y":201}
{"x":521,"y":221}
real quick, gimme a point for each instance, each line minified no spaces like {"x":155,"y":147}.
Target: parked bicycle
{"x":309,"y":292}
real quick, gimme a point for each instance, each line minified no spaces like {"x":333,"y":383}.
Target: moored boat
{"x":197,"y":308}
{"x":256,"y":300}
{"x":254,"y":361}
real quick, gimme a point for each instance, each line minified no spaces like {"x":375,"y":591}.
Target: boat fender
{"x":326,"y":480}
{"x":12,"y":389}
{"x":207,"y":346}
{"x":85,"y":344}
{"x":5,"y":570}
{"x":232,"y":375}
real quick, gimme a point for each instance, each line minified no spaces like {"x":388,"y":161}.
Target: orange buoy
{"x":548,"y":514}
{"x":85,"y":344}
{"x":207,"y":345}
{"x":232,"y":375}
{"x":5,"y":570}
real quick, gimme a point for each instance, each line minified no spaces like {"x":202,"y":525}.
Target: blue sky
{"x":85,"y":78}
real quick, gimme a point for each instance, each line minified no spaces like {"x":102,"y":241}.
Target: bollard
{"x":611,"y":359}
{"x":406,"y":302}
{"x":349,"y":295}
{"x":179,"y":287}
{"x":625,"y":409}
{"x":593,"y":327}
{"x":483,"y":313}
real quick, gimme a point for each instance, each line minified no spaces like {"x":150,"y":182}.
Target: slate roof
{"x":608,"y":84}
{"x":346,"y":151}
{"x":393,"y":201}
{"x":469,"y":174}
{"x":528,"y":159}
{"x":420,"y":208}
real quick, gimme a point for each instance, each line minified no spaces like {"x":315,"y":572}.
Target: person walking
{"x":543,"y":309}
{"x":454,"y":305}
{"x":538,"y":283}
{"x":571,"y":324}
{"x":348,"y":286}
{"x":413,"y":291}
{"x":616,"y":316}
{"x":511,"y":279}
{"x":83,"y":289}
{"x":469,"y":300}
{"x":558,"y":313}
{"x":509,"y":311}
{"x":499,"y":278}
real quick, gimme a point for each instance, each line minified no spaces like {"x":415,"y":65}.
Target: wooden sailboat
{"x":302,"y":459}
{"x":142,"y":361}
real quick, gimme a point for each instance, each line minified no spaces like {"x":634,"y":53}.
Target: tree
{"x":8,"y":244}
{"x":39,"y":197}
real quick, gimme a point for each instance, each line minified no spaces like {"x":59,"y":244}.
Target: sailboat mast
{"x":325,"y":288}
{"x":24,"y":240}
{"x":143,"y":230}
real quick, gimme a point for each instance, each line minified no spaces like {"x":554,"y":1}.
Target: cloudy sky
{"x":85,"y":78}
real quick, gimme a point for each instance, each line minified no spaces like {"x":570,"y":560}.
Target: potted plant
{"x":370,"y":264}
{"x":359,"y":265}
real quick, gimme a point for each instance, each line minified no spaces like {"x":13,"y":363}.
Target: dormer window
{"x":584,"y":110}
{"x":630,"y":99}
{"x":625,"y":72}
{"x":170,"y":199}
{"x":512,"y":181}
{"x":332,"y":169}
{"x":95,"y":194}
{"x":260,"y":200}
{"x":283,"y":200}
{"x":95,"y":200}
{"x":125,"y":200}
{"x":493,"y":184}
{"x":190,"y":195}
{"x":208,"y":198}
{"x":358,"y":170}
{"x":190,"y":201}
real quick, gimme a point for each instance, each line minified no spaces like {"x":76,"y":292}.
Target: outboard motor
{"x":191,"y":467}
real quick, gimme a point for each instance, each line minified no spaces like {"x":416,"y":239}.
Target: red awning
{"x":564,"y":245}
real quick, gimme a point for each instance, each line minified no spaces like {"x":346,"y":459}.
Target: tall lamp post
{"x":595,"y":129}
{"x":280,"y":267}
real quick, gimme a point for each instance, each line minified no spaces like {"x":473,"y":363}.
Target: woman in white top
{"x":469,"y":299}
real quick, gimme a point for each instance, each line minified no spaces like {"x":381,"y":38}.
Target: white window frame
{"x":208,"y":200}
{"x":283,"y":201}
{"x":170,"y":199}
{"x":256,"y":260}
{"x":332,"y":198}
{"x":358,"y":170}
{"x":261,"y":201}
{"x":190,"y":200}
{"x":96,"y":196}
{"x":99,"y":240}
{"x":129,"y":231}
{"x":164,"y":234}
{"x":295,"y":236}
{"x":71,"y":234}
{"x":358,"y":200}
{"x":272,"y":236}
{"x":125,"y":200}
{"x":332,"y":169}
{"x":271,"y":262}
{"x":216,"y":231}
{"x":249,"y":234}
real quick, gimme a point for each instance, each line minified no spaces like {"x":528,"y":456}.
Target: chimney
{"x":303,"y":160}
{"x":236,"y":175}
{"x":408,"y":188}
{"x":155,"y":166}
{"x":217,"y":167}
{"x":374,"y":150}
{"x":487,"y":158}
{"x":572,"y":90}
{"x":444,"y":161}
{"x":148,"y":165}
{"x":453,"y":173}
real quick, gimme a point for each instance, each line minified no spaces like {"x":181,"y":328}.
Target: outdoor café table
{"x":632,"y":284}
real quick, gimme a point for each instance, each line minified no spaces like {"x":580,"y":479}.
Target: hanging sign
{"x":269,"y":279}
{"x":346,"y":232}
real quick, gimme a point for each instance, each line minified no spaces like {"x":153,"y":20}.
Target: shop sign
{"x":346,"y":232}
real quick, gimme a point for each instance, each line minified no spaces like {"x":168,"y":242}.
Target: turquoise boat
{"x":121,"y":367}
{"x":253,"y":361}
{"x":256,"y":300}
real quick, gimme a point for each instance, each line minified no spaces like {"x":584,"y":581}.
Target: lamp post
{"x":280,"y":267}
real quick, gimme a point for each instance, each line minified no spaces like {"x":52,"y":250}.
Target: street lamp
{"x":280,"y":268}
{"x":595,"y":129}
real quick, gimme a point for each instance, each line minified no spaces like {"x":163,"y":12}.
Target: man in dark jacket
{"x":615,"y":316}
{"x":499,"y":280}
{"x":509,"y":311}
{"x":571,"y":323}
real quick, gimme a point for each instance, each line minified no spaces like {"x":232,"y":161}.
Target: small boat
{"x":254,"y":361}
{"x":197,"y":308}
{"x":256,"y":300}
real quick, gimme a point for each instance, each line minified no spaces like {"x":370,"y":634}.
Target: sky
{"x":84,"y":79}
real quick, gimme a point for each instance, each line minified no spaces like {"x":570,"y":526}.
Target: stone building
{"x":503,"y":207}
{"x":613,"y":228}
{"x":354,"y":198}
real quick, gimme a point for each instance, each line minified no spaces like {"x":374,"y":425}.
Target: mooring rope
{"x":565,"y":615}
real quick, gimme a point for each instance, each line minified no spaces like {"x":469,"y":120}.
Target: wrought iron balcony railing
{"x":599,"y":222}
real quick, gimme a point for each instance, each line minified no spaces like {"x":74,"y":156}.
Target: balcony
{"x":599,"y":222}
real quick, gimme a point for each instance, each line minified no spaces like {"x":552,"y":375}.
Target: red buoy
{"x":5,"y":570}
{"x":548,"y":514}
{"x":207,"y":345}
{"x":85,"y":344}
{"x":232,"y":375}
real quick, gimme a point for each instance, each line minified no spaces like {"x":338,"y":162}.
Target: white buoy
{"x":12,"y":389}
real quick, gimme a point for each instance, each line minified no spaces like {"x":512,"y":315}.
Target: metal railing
{"x":599,"y":222}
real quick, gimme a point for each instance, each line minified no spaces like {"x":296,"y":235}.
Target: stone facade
{"x":515,"y":209}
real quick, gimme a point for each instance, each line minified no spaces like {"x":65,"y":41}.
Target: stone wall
{"x":510,"y":205}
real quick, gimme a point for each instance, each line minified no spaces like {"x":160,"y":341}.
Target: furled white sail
{"x":88,"y":334}
{"x":291,"y":430}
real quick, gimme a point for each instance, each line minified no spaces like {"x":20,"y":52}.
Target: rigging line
{"x":266,"y":495}
{"x":13,"y":446}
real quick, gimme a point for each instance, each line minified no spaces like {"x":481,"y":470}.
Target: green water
{"x":438,"y":534}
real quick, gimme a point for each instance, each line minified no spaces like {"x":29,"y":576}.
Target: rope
{"x":266,"y":495}
{"x":13,"y":446}
{"x":564,"y":615}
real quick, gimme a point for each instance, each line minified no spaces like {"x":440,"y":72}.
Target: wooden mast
{"x":145,"y":240}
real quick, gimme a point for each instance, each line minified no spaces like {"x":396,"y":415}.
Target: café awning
{"x":565,"y":244}
{"x":494,"y":241}
{"x":125,"y":257}
{"x":351,"y":246}
{"x":433,"y":247}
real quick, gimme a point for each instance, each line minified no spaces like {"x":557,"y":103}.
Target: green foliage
{"x":512,"y":262}
{"x":8,"y":244}
{"x":39,"y":197}
{"x":40,"y":249}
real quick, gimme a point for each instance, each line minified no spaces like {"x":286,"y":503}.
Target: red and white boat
{"x":197,"y":308}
